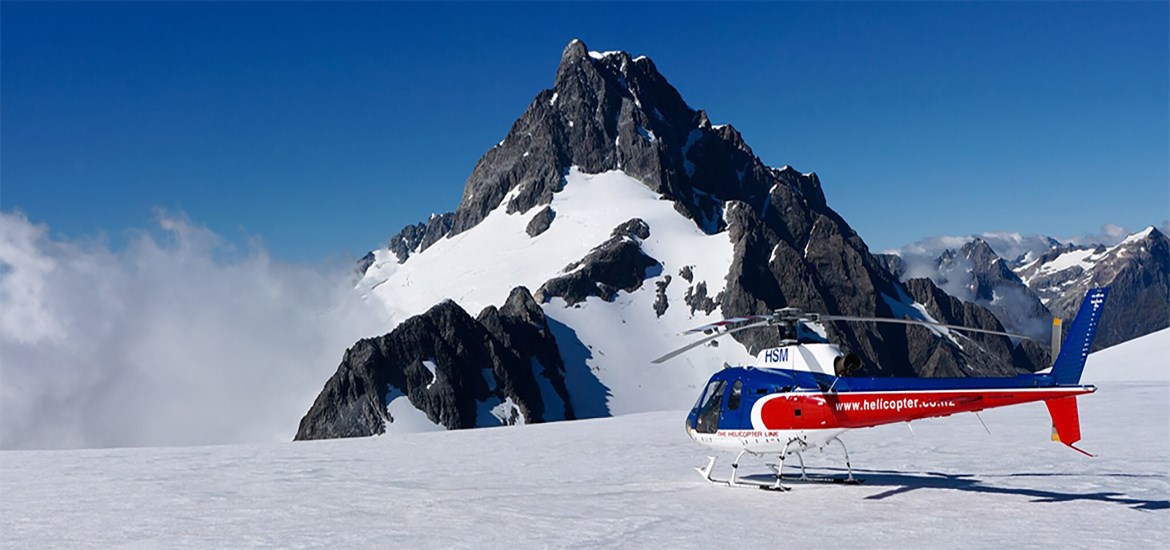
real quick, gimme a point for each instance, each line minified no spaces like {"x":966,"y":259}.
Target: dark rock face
{"x":793,"y":250}
{"x":617,"y":264}
{"x":540,"y":222}
{"x":992,"y":284}
{"x":892,"y":263}
{"x":493,"y":358}
{"x":634,"y":229}
{"x":660,"y":300}
{"x":364,"y":264}
{"x":696,"y":297}
{"x":985,"y":354}
{"x":796,"y":251}
{"x":417,"y":237}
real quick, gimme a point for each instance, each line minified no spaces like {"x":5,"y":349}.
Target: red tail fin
{"x":1066,"y":423}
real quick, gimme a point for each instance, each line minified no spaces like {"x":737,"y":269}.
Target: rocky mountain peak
{"x":1148,"y":236}
{"x":574,"y":50}
{"x":988,"y":266}
{"x":946,"y":258}
{"x":977,"y":250}
{"x":612,"y":111}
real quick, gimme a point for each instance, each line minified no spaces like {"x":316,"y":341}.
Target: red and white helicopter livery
{"x":800,"y":396}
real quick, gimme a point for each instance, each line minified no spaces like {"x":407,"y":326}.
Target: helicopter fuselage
{"x":802,"y":395}
{"x":770,"y":410}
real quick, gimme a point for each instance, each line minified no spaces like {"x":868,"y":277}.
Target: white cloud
{"x":177,"y":339}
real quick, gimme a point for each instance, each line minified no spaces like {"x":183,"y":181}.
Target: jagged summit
{"x":605,"y":112}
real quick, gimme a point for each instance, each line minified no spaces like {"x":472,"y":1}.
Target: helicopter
{"x":802,"y":396}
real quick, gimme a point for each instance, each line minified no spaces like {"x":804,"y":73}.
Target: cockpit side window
{"x":708,"y":420}
{"x":736,"y":394}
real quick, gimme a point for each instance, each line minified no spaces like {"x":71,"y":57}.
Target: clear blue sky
{"x":322,"y":129}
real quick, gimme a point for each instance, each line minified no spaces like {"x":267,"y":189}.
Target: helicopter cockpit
{"x":730,"y":394}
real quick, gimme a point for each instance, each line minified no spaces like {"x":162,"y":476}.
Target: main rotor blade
{"x":725,"y":322}
{"x":923,"y":323}
{"x":702,"y":341}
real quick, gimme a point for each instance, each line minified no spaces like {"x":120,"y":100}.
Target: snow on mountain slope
{"x":1082,"y":258}
{"x":1143,"y":358}
{"x":480,"y":266}
{"x":617,"y":482}
{"x":1068,"y":268}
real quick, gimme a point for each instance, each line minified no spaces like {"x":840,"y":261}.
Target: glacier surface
{"x":625,"y":482}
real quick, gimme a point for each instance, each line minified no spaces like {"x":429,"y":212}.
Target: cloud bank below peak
{"x":177,"y":339}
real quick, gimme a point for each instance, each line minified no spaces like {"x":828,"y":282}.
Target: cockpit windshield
{"x":708,"y":419}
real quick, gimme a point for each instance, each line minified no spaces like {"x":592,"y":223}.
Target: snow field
{"x":615,"y":482}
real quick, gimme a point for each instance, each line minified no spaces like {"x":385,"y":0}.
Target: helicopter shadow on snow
{"x":900,"y":483}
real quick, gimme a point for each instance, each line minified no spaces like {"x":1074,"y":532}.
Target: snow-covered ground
{"x":624,"y":481}
{"x":1144,"y":358}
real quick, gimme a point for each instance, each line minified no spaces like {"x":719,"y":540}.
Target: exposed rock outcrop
{"x":617,"y":264}
{"x":478,"y":362}
{"x":540,"y":222}
{"x":417,"y":237}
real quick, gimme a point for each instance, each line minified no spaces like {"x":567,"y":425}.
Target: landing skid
{"x":734,"y":482}
{"x":778,"y":471}
{"x":803,"y":478}
{"x":847,"y":480}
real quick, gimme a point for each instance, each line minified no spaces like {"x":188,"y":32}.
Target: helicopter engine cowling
{"x":845,"y":365}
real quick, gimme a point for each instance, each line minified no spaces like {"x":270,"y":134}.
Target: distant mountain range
{"x":611,"y":217}
{"x":1027,"y":291}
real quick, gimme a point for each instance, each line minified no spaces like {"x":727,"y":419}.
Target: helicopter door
{"x":707,"y":420}
{"x":732,"y":412}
